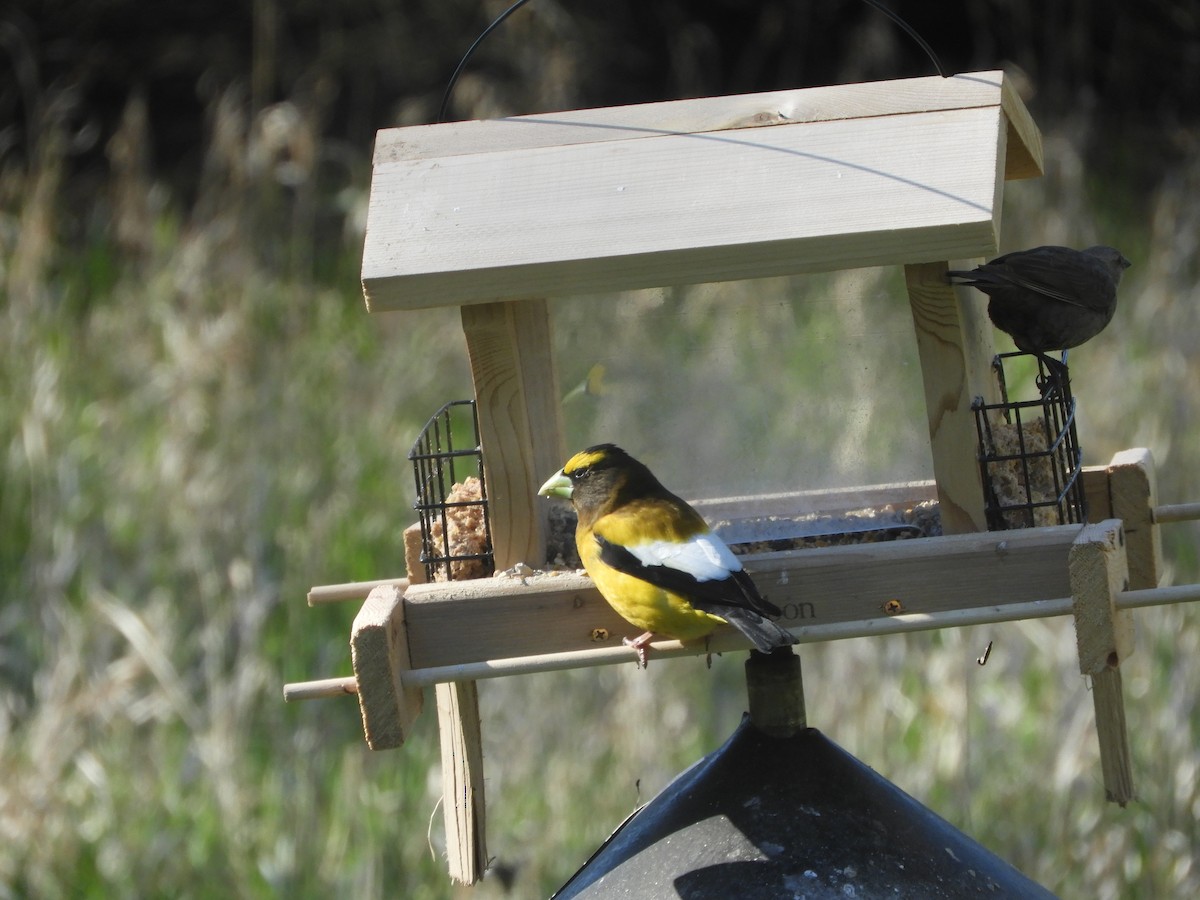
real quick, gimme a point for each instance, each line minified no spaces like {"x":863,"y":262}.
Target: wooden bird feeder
{"x":499,"y":217}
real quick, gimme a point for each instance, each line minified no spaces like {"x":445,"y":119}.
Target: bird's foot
{"x":640,"y":644}
{"x":1056,"y":379}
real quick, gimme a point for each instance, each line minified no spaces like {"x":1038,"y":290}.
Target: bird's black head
{"x":604,"y":477}
{"x":1112,"y":258}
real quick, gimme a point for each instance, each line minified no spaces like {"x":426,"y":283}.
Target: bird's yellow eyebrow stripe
{"x":583,"y":459}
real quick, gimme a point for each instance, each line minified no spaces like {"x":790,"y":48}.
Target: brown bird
{"x":1050,"y":298}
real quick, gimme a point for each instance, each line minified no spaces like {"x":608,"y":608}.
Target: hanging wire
{"x":912,"y":33}
{"x":462,"y":63}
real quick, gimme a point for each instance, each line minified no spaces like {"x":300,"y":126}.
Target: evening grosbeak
{"x":652,"y":556}
{"x":1050,"y":298}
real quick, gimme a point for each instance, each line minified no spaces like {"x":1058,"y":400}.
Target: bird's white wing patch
{"x":703,"y":556}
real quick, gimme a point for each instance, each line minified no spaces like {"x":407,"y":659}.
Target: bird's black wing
{"x":711,"y":596}
{"x":734,"y":598}
{"x":1059,"y":273}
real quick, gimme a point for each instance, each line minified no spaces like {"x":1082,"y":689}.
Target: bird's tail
{"x":765,"y":634}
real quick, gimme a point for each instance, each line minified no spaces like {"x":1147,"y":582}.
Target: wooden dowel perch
{"x":320,"y":689}
{"x":1163,"y":596}
{"x":354,"y":590}
{"x":1175,"y":512}
{"x":727,"y":642}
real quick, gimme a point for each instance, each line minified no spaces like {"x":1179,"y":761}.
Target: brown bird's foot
{"x":1057,"y":379}
{"x":640,"y":644}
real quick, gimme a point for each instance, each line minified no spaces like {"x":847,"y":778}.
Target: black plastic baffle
{"x":783,"y":817}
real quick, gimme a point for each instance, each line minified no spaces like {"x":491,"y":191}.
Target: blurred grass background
{"x":199,"y":421}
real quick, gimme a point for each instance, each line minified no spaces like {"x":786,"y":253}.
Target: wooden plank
{"x":820,"y":500}
{"x":715,"y":114}
{"x":1023,"y":158}
{"x":379,"y":653}
{"x":954,"y":342}
{"x":843,"y":499}
{"x":1133,"y":490}
{"x":516,"y":392}
{"x":728,"y":640}
{"x":831,"y":501}
{"x":618,"y":215}
{"x":462,"y":780}
{"x":1095,"y":493}
{"x":1099,"y":571}
{"x":514,"y":617}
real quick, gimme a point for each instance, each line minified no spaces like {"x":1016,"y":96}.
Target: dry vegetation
{"x":197,"y":426}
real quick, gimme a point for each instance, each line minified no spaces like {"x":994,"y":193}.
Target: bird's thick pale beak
{"x":559,"y":485}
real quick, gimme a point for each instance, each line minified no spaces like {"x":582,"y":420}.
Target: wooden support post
{"x":1133,"y":492}
{"x":1096,"y":493}
{"x":462,"y":780}
{"x":379,"y":653}
{"x":775,"y":689}
{"x":1104,"y":635}
{"x":461,"y":735}
{"x":520,"y":420}
{"x":954,"y":340}
{"x":413,"y":547}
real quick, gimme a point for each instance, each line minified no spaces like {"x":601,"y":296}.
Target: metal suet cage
{"x":447,"y":462}
{"x":1029,"y":454}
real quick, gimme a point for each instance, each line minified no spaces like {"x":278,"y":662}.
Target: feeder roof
{"x":693,"y":191}
{"x":765,"y":817}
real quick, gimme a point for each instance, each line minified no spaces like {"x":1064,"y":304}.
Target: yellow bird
{"x":654,"y":559}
